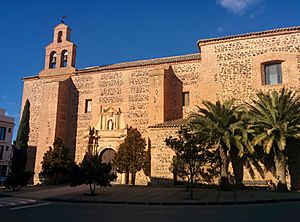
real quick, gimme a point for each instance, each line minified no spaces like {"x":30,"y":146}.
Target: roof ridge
{"x":292,"y":28}
{"x":145,"y":62}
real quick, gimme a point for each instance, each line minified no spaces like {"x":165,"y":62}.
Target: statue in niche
{"x":110,"y":125}
{"x":110,"y":119}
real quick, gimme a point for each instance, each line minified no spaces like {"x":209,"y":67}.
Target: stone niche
{"x":109,"y":131}
{"x":111,"y":120}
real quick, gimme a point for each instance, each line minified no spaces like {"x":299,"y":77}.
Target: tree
{"x":220,"y":126}
{"x":18,"y":175}
{"x":241,"y":150}
{"x":92,"y":172}
{"x":56,"y":162}
{"x":23,"y":131}
{"x":147,"y":163}
{"x":276,"y":118}
{"x":16,"y":180}
{"x":132,"y":155}
{"x":122,"y":162}
{"x":191,"y":155}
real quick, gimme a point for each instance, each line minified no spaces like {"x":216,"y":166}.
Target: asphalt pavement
{"x":62,"y":212}
{"x":128,"y":203}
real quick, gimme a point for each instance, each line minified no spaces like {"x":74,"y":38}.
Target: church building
{"x":91,"y":108}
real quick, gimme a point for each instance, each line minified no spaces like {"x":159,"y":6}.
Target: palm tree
{"x":242,"y":152}
{"x":221,"y":126}
{"x":275,"y":118}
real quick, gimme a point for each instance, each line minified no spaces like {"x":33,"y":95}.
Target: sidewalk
{"x":40,"y":192}
{"x":122,"y":194}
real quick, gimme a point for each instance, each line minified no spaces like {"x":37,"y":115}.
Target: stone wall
{"x":32,"y":90}
{"x":189,"y":74}
{"x":43,"y":96}
{"x":161,"y":155}
{"x":235,"y":66}
{"x":172,"y":96}
{"x":129,"y":90}
{"x":138,"y":99}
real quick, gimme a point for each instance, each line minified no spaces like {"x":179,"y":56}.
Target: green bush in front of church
{"x":93,"y":172}
{"x":56,"y":164}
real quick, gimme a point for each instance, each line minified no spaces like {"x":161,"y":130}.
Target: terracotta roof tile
{"x":157,"y":61}
{"x":170,"y":124}
{"x":251,"y":34}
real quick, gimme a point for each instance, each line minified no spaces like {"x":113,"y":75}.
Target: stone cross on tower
{"x":63,"y":19}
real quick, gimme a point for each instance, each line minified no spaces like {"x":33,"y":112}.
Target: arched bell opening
{"x":53,"y":58}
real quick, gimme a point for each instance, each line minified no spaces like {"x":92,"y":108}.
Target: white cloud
{"x":236,"y":6}
{"x":6,"y":101}
{"x":16,"y":115}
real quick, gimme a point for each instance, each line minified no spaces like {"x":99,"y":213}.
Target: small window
{"x":185,"y":98}
{"x":9,"y":130}
{"x":59,"y":37}
{"x":53,"y":57}
{"x":7,"y":148}
{"x":272,"y":74}
{"x":88,"y":105}
{"x":1,"y":152}
{"x":2,"y":132}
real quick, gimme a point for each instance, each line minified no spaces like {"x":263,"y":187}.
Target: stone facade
{"x":101,"y":102}
{"x":234,"y":64}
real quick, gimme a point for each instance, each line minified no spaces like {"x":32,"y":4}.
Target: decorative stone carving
{"x":188,"y":73}
{"x":110,"y":87}
{"x":255,"y":47}
{"x":139,"y":98}
{"x":110,"y":119}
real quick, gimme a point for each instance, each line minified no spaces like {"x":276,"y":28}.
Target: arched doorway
{"x":107,"y":155}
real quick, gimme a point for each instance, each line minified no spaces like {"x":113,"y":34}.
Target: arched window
{"x":64,"y":58}
{"x":53,"y":57}
{"x":59,"y":36}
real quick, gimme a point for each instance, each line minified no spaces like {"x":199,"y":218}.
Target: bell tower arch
{"x":60,"y":55}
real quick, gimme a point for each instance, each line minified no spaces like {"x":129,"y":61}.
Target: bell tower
{"x":60,"y":54}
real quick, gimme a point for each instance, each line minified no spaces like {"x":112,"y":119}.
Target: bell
{"x":65,"y":57}
{"x":53,"y":60}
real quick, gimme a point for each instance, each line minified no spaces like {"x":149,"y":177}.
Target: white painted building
{"x":6,"y":132}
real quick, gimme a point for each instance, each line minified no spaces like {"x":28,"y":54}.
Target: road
{"x":67,"y":212}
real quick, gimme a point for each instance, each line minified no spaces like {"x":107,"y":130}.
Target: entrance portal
{"x":107,"y":155}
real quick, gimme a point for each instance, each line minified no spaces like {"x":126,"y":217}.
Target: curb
{"x":5,"y":195}
{"x":174,"y":203}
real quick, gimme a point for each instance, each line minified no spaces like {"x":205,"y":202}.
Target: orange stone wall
{"x":233,"y":68}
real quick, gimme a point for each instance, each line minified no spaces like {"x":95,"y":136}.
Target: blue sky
{"x":107,"y":32}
